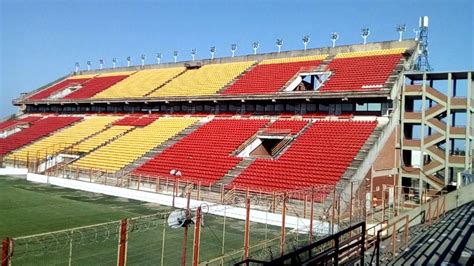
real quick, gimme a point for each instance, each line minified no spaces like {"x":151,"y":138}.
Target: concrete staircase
{"x":160,"y":148}
{"x":236,"y":171}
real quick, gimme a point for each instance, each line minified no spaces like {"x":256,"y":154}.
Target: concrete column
{"x":448,"y":147}
{"x":422,"y":135}
{"x":469,"y":117}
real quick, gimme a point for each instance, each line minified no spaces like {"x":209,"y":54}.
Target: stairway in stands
{"x":246,"y":162}
{"x":237,"y":78}
{"x":159,"y":149}
{"x":448,"y":241}
{"x":164,"y":84}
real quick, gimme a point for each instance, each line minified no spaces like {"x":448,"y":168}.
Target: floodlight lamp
{"x":255,"y":46}
{"x":365,"y":32}
{"x":334,"y":38}
{"x":233,"y":48}
{"x":212,"y":50}
{"x":158,"y":58}
{"x":306,"y":40}
{"x":401,"y":28}
{"x":129,"y":59}
{"x":175,"y":54}
{"x":77,"y":64}
{"x":193,"y":53}
{"x":114,"y":62}
{"x":279,"y":43}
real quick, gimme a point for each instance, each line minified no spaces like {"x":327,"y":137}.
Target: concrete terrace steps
{"x":446,"y":241}
{"x":236,"y":171}
{"x":160,"y":148}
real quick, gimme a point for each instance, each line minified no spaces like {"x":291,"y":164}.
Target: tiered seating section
{"x":94,"y":86}
{"x":133,"y":145}
{"x":8,"y":124}
{"x":206,"y":80}
{"x":141,"y":83}
{"x":354,"y":71}
{"x":318,"y":157}
{"x":361,"y":71}
{"x":271,"y":75}
{"x":73,"y":81}
{"x":63,"y":139}
{"x":101,"y":138}
{"x":204,"y":155}
{"x":35,"y":131}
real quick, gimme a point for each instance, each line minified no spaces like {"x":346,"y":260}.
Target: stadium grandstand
{"x":346,"y":147}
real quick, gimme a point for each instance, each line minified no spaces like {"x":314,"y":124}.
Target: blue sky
{"x":41,"y":40}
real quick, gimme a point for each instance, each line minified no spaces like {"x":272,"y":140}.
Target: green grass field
{"x":29,"y":208}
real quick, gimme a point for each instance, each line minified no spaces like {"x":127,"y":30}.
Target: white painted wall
{"x":299,"y":224}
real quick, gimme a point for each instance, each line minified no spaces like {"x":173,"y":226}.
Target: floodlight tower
{"x":77,"y":66}
{"x":233,"y":48}
{"x":114,"y":62}
{"x":422,"y":63}
{"x":334,"y":38}
{"x":255,"y":46}
{"x":143,"y":57}
{"x":175,"y":55}
{"x":365,"y":34}
{"x":401,"y":28}
{"x":88,"y":65}
{"x":279,"y":43}
{"x":158,"y":58}
{"x":193,"y":53}
{"x":306,"y":40}
{"x":129,"y":59}
{"x":101,"y":63}
{"x":212,"y":50}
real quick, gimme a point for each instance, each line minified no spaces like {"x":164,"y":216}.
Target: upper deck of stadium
{"x":351,"y":71}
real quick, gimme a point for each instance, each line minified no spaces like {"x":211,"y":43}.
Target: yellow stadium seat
{"x":371,"y":53}
{"x":206,"y":80}
{"x":64,"y":138}
{"x":99,"y":139}
{"x":131,"y":146}
{"x":140,"y":83}
{"x":294,"y":59}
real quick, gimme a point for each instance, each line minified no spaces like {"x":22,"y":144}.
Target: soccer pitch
{"x":30,"y":208}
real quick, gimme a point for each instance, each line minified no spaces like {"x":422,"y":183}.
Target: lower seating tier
{"x":204,"y":155}
{"x":35,"y":131}
{"x":133,"y":145}
{"x":318,"y":158}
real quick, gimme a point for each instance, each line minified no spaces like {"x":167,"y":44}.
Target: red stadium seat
{"x":268,"y":78}
{"x":318,"y":157}
{"x":37,"y":130}
{"x":204,"y":155}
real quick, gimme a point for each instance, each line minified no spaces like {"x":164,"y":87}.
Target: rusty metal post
{"x":283,"y":226}
{"x":122,"y":247}
{"x":247,"y":227}
{"x":174,"y":192}
{"x":429,"y":212}
{"x":185,"y":238}
{"x":197,"y":237}
{"x":304,"y":207}
{"x":311,"y":217}
{"x":333,"y":211}
{"x":6,"y":248}
{"x":198,"y":196}
{"x":407,"y":230}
